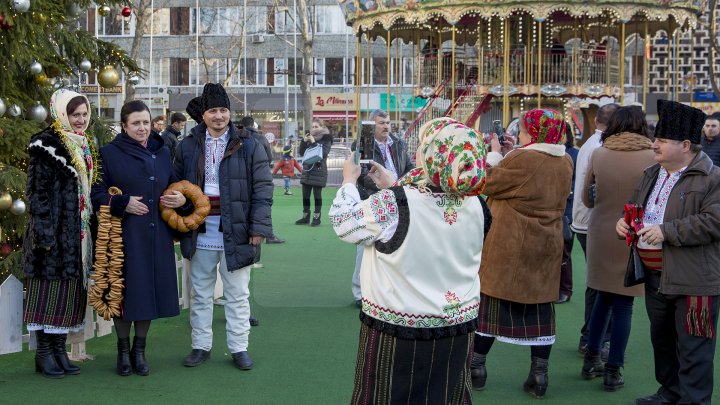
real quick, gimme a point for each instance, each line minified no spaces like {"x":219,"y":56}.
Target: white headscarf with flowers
{"x":82,"y":160}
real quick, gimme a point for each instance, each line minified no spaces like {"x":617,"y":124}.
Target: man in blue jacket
{"x":232,"y":169}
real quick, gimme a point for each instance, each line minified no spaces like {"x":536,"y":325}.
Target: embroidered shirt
{"x":387,"y":157}
{"x":657,"y":202}
{"x":429,"y":278}
{"x":212,"y":239}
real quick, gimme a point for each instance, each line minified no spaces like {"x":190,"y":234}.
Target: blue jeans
{"x":287,"y":182}
{"x":620,"y":307}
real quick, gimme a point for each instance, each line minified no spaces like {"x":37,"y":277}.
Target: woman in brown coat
{"x":520,"y":271}
{"x":614,"y":171}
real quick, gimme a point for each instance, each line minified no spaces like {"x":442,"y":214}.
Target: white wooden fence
{"x":11,"y":310}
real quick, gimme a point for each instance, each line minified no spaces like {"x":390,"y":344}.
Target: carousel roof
{"x":374,"y":16}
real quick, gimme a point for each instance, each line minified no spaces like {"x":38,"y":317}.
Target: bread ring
{"x":106,"y":293}
{"x":200,"y":201}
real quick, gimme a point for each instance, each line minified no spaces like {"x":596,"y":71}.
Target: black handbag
{"x":635,"y":273}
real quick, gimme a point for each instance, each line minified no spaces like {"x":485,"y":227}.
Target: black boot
{"x":124,"y":368}
{"x":304,"y":220}
{"x":316,"y":219}
{"x":613,"y":380}
{"x":478,"y":372}
{"x":137,"y":357}
{"x":61,"y":356}
{"x":592,"y":366}
{"x":45,"y":362}
{"x":537,"y":381}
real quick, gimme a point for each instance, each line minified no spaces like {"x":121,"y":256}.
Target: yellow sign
{"x":97,"y":89}
{"x":706,"y":107}
{"x":333,"y":101}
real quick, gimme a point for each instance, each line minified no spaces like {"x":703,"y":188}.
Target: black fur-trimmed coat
{"x":52,"y":249}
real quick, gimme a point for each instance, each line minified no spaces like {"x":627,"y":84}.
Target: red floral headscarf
{"x":545,"y":126}
{"x":450,"y":156}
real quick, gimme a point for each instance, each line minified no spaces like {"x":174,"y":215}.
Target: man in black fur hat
{"x":232,"y":169}
{"x":679,"y":250}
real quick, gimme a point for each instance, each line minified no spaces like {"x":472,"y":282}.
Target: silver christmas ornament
{"x":14,"y":110}
{"x":18,"y":207}
{"x":426,"y":91}
{"x":21,"y":6}
{"x":134,"y":79}
{"x":3,"y":108}
{"x":36,"y":68}
{"x":38,"y":112}
{"x":85,"y":65}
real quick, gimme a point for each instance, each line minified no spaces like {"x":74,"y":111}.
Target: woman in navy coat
{"x":138,"y":163}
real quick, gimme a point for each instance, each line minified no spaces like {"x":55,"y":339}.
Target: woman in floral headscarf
{"x":527,"y":190}
{"x":420,"y":289}
{"x":57,"y":251}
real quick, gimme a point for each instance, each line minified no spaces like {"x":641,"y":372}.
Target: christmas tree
{"x":43,"y":47}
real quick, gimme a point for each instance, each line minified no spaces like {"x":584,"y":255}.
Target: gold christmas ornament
{"x":5,"y":201}
{"x":104,"y":11}
{"x":41,"y":79}
{"x":108,"y":77}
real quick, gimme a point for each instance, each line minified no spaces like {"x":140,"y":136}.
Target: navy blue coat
{"x":150,"y":276}
{"x":246,"y":191}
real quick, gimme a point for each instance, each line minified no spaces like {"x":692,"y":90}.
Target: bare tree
{"x":142,"y":13}
{"x":714,"y":40}
{"x":302,"y":22}
{"x":233,"y":44}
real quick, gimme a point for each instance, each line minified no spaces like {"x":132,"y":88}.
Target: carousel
{"x":514,"y":55}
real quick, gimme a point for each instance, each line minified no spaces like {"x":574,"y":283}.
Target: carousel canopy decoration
{"x":365,"y":15}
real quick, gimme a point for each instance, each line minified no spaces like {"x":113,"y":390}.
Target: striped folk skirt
{"x":516,"y":323}
{"x":55,"y":305}
{"x":391,"y":370}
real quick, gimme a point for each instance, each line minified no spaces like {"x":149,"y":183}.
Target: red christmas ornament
{"x":126,"y":11}
{"x":5,"y":250}
{"x":4,"y":25}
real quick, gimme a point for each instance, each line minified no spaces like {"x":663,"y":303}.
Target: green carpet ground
{"x":305,"y":347}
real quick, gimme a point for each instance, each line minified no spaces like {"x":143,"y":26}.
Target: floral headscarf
{"x":58,"y":109}
{"x":450,"y":156}
{"x":545,"y":126}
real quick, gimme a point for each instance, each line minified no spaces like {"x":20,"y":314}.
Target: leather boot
{"x":316,"y":219}
{"x":45,"y":362}
{"x":592,"y":366}
{"x":537,"y":381}
{"x":61,"y":356}
{"x":137,"y":357}
{"x":304,"y":220}
{"x":124,"y":368}
{"x":478,"y":372}
{"x":613,"y":379}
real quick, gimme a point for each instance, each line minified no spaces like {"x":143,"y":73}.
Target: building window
{"x":257,"y":20}
{"x":179,"y":21}
{"x":379,"y":67}
{"x":157,"y":74}
{"x":217,"y":21}
{"x":408,"y":69}
{"x":330,"y":20}
{"x":160,"y":22}
{"x":334,"y":68}
{"x":284,"y":22}
{"x":115,"y":24}
{"x":256,"y":72}
{"x":294,"y":71}
{"x":179,"y":71}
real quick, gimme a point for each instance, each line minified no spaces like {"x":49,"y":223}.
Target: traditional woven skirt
{"x":520,"y":324}
{"x":391,"y":370}
{"x":55,"y":305}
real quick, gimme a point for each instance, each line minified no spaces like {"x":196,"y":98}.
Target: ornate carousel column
{"x":621,"y":78}
{"x":539,"y":61}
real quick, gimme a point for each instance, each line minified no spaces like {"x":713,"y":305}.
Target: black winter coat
{"x":149,"y":269}
{"x":52,"y":247}
{"x":316,"y":174}
{"x":170,"y":137}
{"x":246,"y":191}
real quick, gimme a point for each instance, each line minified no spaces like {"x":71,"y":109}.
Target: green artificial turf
{"x":305,"y":347}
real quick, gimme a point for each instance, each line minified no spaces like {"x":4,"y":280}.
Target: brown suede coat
{"x":521,"y":257}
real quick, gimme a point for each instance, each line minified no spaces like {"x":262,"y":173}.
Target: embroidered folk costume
{"x":420,"y":288}
{"x":58,"y":244}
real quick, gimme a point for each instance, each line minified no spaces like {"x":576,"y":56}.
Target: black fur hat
{"x":679,"y":122}
{"x":194,"y":109}
{"x":214,"y":96}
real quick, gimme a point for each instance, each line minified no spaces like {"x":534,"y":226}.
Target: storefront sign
{"x":102,"y":90}
{"x":333,"y":101}
{"x":707,"y":108}
{"x":406,"y":102}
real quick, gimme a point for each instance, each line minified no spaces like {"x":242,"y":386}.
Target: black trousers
{"x":590,"y":295}
{"x":317,"y":193}
{"x":566,"y":268}
{"x":683,"y":362}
